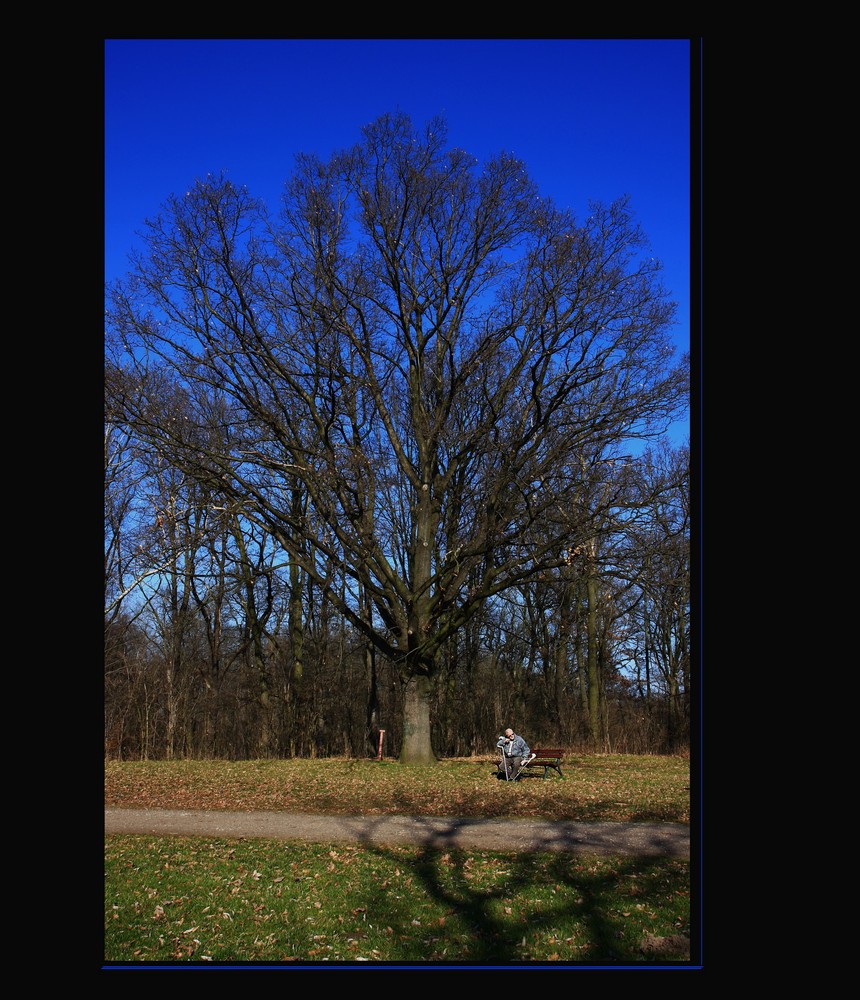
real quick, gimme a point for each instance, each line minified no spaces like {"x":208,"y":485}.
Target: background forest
{"x":395,"y":460}
{"x":204,"y":665}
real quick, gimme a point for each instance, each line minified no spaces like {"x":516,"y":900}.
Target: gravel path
{"x":639,"y":839}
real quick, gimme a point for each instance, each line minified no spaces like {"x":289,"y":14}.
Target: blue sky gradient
{"x":592,"y":119}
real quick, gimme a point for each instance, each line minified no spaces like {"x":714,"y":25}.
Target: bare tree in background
{"x":422,"y":347}
{"x":660,"y":554}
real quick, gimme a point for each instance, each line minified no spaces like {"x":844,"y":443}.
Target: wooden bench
{"x":549,"y":758}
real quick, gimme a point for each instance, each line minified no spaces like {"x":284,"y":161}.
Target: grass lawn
{"x":186,"y":901}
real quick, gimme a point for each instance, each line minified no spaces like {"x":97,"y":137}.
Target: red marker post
{"x":381,"y":738}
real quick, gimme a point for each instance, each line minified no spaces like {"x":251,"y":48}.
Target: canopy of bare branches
{"x":394,"y":427}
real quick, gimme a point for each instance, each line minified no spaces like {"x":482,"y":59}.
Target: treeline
{"x":221,"y":649}
{"x":393,"y":461}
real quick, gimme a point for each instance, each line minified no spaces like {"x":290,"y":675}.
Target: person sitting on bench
{"x":514,"y":749}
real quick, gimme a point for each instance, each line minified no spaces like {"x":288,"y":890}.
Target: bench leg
{"x":555,"y":767}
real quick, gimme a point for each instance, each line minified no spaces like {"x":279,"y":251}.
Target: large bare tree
{"x":415,"y":357}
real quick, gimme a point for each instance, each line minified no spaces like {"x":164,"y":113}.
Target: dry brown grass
{"x":622,"y":788}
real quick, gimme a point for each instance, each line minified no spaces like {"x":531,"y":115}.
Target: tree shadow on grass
{"x":557,"y":909}
{"x":434,"y":903}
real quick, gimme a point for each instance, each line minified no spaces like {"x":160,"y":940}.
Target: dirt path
{"x":639,"y":839}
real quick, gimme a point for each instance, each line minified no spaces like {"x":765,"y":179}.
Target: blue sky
{"x":590,"y":118}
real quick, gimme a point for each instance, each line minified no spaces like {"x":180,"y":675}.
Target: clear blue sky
{"x":590,"y":118}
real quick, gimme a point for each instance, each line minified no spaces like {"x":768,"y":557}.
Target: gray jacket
{"x":516,"y":748}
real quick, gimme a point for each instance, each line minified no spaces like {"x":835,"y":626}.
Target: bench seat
{"x":549,"y":758}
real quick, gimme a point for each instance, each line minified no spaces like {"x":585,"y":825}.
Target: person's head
{"x":509,"y":733}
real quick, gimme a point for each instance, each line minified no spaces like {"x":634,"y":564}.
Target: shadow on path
{"x":631,"y":839}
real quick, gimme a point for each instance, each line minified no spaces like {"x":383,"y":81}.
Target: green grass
{"x":181,"y":901}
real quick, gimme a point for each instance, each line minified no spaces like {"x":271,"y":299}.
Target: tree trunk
{"x":562,"y":667}
{"x":593,"y":667}
{"x":674,"y":714}
{"x":295,"y":603}
{"x":172,"y":706}
{"x":416,"y":747}
{"x":295,"y":619}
